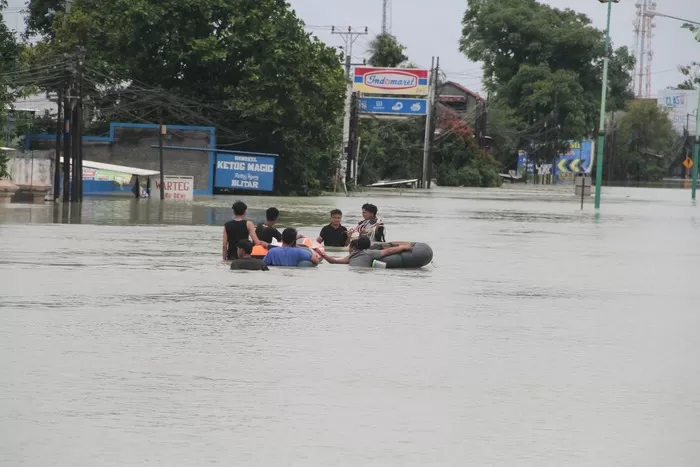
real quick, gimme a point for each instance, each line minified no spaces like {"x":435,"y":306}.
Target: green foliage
{"x":459,"y":161}
{"x":643,"y":131}
{"x":385,"y":51}
{"x":10,"y":52}
{"x":505,"y":129}
{"x":390,"y":149}
{"x":544,"y":64}
{"x":246,"y":66}
{"x":692,"y":74}
{"x":694,"y":28}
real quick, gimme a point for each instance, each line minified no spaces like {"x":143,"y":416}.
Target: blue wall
{"x":110,"y":139}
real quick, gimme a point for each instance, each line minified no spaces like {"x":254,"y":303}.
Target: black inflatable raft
{"x":420,"y":255}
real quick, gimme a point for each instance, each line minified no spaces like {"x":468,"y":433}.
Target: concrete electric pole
{"x":349,"y":37}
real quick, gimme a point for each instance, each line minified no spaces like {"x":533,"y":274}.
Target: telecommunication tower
{"x":386,"y":16}
{"x":643,"y":52}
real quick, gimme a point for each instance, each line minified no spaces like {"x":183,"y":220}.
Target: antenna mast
{"x":386,"y":16}
{"x":643,"y":52}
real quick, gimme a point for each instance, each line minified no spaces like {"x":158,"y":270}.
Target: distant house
{"x":456,"y":100}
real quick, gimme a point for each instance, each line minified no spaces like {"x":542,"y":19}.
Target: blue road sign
{"x":393,"y":106}
{"x":245,"y":171}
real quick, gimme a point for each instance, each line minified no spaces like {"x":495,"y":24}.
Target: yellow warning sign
{"x":688,"y":163}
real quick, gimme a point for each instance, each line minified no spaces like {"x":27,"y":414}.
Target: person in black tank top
{"x":266,"y":231}
{"x":236,"y":230}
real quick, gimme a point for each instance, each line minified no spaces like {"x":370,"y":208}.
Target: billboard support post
{"x":428,"y":126}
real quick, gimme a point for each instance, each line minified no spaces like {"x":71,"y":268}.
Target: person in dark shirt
{"x":334,"y":234}
{"x":236,"y":230}
{"x":244,"y":261}
{"x":266,"y":231}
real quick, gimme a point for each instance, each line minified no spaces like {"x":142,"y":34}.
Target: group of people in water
{"x":241,"y":235}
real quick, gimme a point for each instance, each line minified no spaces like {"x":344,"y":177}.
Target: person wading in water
{"x":236,"y":230}
{"x":370,"y":226}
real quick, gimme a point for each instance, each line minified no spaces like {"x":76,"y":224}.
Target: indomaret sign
{"x":393,"y":81}
{"x":245,"y":171}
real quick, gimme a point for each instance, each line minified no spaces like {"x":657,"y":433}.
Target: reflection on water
{"x":542,"y":335}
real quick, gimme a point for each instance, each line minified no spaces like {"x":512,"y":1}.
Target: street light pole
{"x":603,"y":97}
{"x":696,"y":150}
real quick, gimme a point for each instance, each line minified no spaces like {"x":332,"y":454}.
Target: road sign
{"x":245,"y":171}
{"x":688,"y":163}
{"x":397,"y":81}
{"x":392,"y":106}
{"x":569,"y":165}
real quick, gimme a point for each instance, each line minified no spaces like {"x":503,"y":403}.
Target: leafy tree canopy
{"x":10,"y":52}
{"x":386,"y":51}
{"x":266,"y":84}
{"x":692,"y":76}
{"x":544,"y":63}
{"x":645,"y":143}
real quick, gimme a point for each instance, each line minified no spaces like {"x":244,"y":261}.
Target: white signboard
{"x":682,"y":108}
{"x":176,"y":187}
{"x":544,"y":169}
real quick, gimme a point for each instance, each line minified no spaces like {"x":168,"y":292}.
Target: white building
{"x":682,"y":107}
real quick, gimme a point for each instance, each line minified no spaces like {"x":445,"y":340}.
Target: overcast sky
{"x":434,"y":28}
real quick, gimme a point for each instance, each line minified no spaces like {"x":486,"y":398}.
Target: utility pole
{"x":161,"y":132}
{"x":357,"y":159}
{"x":433,"y":122}
{"x":67,"y":166}
{"x":79,"y":126}
{"x":430,"y":123}
{"x":349,"y":38}
{"x":352,"y":141}
{"x":59,"y":132}
{"x":75,"y":104}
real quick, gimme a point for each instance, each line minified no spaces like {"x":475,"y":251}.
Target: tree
{"x":10,"y":52}
{"x":646,"y":143}
{"x":246,"y":66}
{"x":693,"y":28}
{"x":544,"y":63}
{"x":386,"y":51}
{"x":692,"y":74}
{"x":458,"y":159}
{"x":506,"y":131}
{"x":390,"y":149}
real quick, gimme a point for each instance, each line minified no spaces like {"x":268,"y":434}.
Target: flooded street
{"x":541,"y":336}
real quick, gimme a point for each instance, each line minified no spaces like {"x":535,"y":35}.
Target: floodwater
{"x":541,"y":336}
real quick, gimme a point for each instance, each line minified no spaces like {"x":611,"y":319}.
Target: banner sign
{"x":101,"y":175}
{"x":394,"y":81}
{"x":682,"y":106}
{"x":176,"y":187}
{"x":243,"y":171}
{"x":578,"y":159}
{"x":393,"y":106}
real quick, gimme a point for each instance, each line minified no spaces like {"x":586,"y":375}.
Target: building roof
{"x":465,"y":90}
